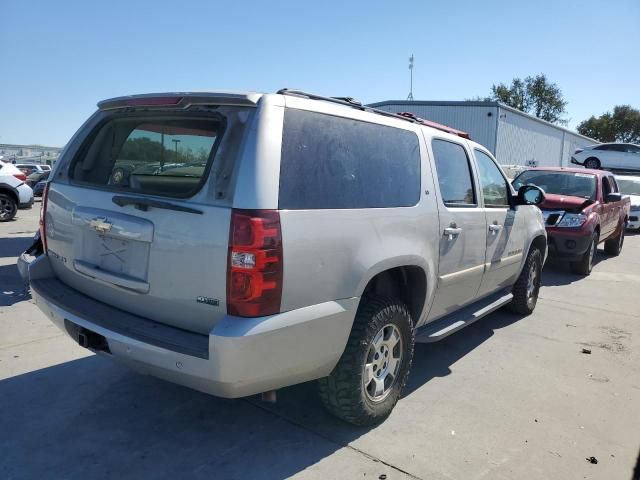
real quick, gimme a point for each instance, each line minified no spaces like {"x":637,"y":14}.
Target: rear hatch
{"x":138,"y":212}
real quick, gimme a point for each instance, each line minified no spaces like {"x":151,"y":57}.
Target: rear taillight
{"x":20,"y":176}
{"x":254,"y":265}
{"x":43,"y":217}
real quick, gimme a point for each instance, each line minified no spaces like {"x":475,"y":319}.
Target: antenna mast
{"x":410,"y":97}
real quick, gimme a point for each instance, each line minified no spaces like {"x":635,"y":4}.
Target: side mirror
{"x":613,"y":197}
{"x":530,"y":195}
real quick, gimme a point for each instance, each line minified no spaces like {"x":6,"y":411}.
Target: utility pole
{"x":176,"y":141}
{"x":410,"y":97}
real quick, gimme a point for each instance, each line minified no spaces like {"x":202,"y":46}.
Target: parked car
{"x":582,"y":208}
{"x":29,"y":168}
{"x":14,"y":193}
{"x":37,"y":176}
{"x":630,"y":185}
{"x":38,"y":188}
{"x":610,"y":156}
{"x":320,"y":240}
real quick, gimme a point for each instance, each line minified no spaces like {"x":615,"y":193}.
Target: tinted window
{"x":148,"y":155}
{"x":333,"y":162}
{"x":558,"y":182}
{"x":454,"y":173}
{"x":493,"y":184}
{"x":614,"y":185}
{"x":602,"y":147}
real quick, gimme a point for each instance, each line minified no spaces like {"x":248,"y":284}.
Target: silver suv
{"x":239,"y":243}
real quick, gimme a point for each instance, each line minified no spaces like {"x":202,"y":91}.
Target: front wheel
{"x":366,"y":383}
{"x":585,"y":264}
{"x":527,"y":287}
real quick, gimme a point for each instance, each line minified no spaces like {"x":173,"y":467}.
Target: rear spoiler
{"x":181,"y":100}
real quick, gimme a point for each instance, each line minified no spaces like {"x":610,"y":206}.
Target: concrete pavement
{"x":506,"y":398}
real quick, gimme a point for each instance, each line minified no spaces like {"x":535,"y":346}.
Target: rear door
{"x":141,"y":220}
{"x":505,"y":233}
{"x":463,"y":228}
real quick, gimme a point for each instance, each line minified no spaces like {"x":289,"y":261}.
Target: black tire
{"x":592,"y":162}
{"x":585,"y":264}
{"x":525,"y":295}
{"x":343,"y":392}
{"x":613,"y":246}
{"x":8,"y":207}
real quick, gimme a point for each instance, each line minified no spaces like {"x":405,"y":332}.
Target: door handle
{"x":495,"y":227}
{"x":452,"y":232}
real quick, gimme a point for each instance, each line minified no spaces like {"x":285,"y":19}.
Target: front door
{"x":505,"y":228}
{"x":463,"y":226}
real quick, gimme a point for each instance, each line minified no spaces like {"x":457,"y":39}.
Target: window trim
{"x":476,"y":204}
{"x":506,"y":182}
{"x":88,"y":140}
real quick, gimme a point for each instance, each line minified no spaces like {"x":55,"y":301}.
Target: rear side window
{"x":332,"y":162}
{"x":454,"y":174}
{"x":160,"y":156}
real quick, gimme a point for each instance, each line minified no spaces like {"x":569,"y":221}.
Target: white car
{"x":610,"y":156}
{"x":630,"y":186}
{"x":14,"y":193}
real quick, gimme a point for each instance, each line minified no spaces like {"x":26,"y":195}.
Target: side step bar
{"x":444,"y":327}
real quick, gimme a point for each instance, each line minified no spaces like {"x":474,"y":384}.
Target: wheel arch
{"x":408,"y":282}
{"x":11,"y":191}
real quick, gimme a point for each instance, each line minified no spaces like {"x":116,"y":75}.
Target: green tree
{"x":621,"y":125}
{"x":534,"y":95}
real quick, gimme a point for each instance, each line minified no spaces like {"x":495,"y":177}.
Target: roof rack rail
{"x":352,"y":103}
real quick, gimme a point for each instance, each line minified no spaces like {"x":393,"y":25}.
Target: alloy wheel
{"x":382,"y":364}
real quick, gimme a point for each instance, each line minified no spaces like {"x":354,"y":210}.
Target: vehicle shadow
{"x":12,"y":288}
{"x":14,"y":246}
{"x":92,"y":417}
{"x":558,"y":272}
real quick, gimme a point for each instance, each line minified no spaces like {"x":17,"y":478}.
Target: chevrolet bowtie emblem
{"x":100,"y":225}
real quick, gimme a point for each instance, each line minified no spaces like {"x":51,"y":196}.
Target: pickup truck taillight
{"x":20,"y":176}
{"x":254,"y":265}
{"x":43,"y":216}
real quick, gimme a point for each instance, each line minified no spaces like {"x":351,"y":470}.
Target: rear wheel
{"x":527,"y":287}
{"x":8,"y":207}
{"x":592,"y":162}
{"x":366,"y":384}
{"x":613,"y":246}
{"x":585,"y":264}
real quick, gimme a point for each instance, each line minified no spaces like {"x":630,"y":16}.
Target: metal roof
{"x":474,"y":103}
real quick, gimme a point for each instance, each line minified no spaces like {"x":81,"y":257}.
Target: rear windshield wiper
{"x":143,"y":204}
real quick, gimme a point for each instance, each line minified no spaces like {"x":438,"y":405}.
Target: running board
{"x":432,"y":332}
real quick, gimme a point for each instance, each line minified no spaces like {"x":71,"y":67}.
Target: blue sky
{"x":57,"y":59}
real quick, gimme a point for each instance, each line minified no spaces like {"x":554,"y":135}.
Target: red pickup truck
{"x":582,"y":208}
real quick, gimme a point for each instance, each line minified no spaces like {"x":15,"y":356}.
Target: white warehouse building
{"x":514,"y":137}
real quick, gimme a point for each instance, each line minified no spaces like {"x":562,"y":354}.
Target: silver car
{"x":304,"y":238}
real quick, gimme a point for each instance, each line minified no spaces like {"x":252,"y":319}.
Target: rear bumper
{"x":239,"y":357}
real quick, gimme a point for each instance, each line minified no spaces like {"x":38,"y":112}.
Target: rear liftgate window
{"x":333,"y":162}
{"x":167,"y":157}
